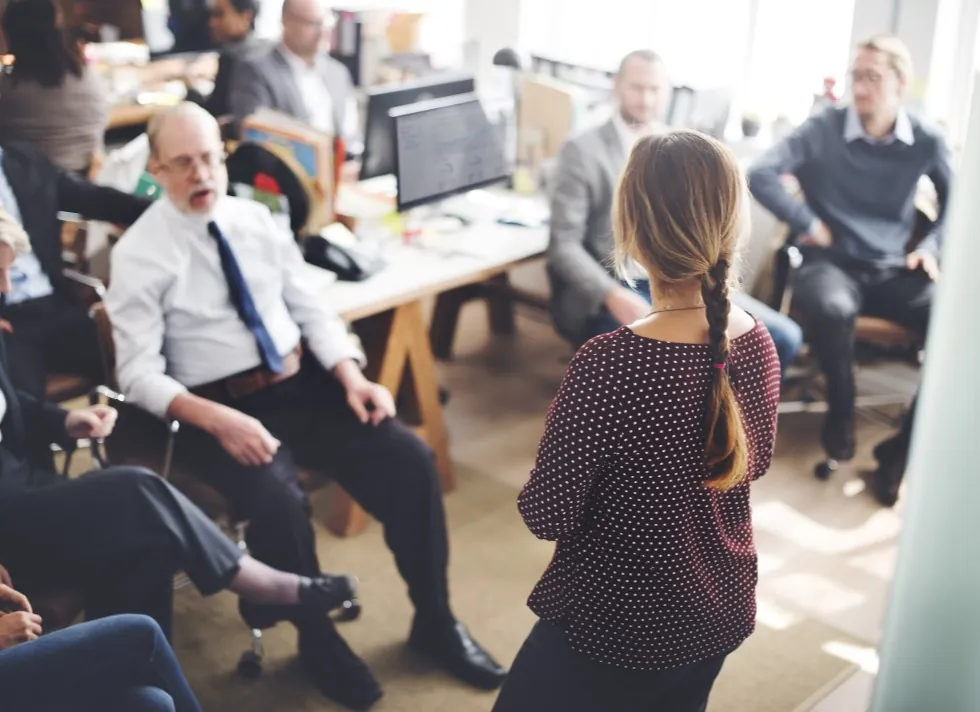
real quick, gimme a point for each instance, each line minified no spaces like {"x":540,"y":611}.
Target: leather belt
{"x":246,"y":383}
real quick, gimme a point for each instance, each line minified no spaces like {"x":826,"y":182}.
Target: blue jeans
{"x":786,"y":333}
{"x":117,"y":664}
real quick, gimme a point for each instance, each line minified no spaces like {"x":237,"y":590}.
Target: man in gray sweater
{"x":858,"y":167}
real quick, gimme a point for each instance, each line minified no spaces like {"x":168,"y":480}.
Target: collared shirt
{"x":854,"y":129}
{"x":174,"y":324}
{"x":27,"y":279}
{"x":316,"y":98}
{"x":629,"y":134}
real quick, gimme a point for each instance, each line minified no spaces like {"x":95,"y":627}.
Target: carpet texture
{"x":494,"y":563}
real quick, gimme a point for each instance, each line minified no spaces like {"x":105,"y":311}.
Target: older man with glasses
{"x":218,"y":325}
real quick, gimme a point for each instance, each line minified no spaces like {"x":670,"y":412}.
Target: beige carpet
{"x":495,"y":561}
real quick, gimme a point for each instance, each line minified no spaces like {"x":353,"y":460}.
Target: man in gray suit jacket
{"x":587,"y":299}
{"x":298,"y":77}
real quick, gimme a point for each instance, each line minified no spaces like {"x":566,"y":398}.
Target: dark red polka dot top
{"x":652,"y":569}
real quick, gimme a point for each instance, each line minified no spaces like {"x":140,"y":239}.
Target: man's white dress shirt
{"x":173,"y":321}
{"x":317,"y":99}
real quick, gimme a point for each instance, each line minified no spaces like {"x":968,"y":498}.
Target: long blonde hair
{"x":679,"y":213}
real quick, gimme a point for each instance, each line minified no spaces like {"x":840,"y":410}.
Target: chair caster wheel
{"x":350,"y":611}
{"x":250,"y":665}
{"x":825,"y":469}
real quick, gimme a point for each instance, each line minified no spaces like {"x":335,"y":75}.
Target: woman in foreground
{"x":642,"y":476}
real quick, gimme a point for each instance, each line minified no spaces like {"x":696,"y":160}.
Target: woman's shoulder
{"x":740,"y":323}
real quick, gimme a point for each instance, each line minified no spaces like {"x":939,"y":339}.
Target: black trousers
{"x":549,"y":675}
{"x":118,"y":535}
{"x":830,"y":294}
{"x":386,"y":469}
{"x":51,"y":335}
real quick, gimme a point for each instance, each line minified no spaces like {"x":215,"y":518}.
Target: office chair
{"x":875,"y":339}
{"x":141,"y":439}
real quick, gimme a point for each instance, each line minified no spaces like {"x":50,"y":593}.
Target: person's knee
{"x":138,"y":633}
{"x":144,"y":699}
{"x":833,"y":308}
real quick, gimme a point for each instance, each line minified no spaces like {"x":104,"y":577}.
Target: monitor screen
{"x":444,"y":147}
{"x":379,"y":140}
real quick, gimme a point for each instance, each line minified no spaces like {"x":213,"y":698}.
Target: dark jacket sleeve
{"x":96,"y":202}
{"x":216,"y":103}
{"x":786,"y":156}
{"x":43,"y":421}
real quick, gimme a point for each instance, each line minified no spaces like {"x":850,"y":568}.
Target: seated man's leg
{"x":51,"y":334}
{"x":96,"y":666}
{"x":906,"y":298}
{"x":892,"y":456}
{"x":829,"y":300}
{"x":270,"y":498}
{"x":392,"y":474}
{"x":786,"y":333}
{"x":103,"y":528}
{"x":280,"y":534}
{"x":72,"y":344}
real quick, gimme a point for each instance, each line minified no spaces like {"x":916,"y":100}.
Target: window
{"x":776,"y":66}
{"x":594,"y":35}
{"x":702,"y":53}
{"x":797,"y":44}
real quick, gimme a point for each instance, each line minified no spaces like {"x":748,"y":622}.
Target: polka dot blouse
{"x":652,"y":570}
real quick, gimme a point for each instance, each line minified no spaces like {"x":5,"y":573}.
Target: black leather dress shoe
{"x":335,"y":669}
{"x":319,"y":595}
{"x":887,"y":477}
{"x":327,"y":592}
{"x":460,"y":655}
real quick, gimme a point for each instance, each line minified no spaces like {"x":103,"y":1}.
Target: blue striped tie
{"x":241,"y":297}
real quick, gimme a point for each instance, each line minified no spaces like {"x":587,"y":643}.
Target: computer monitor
{"x":444,"y":147}
{"x":379,"y":141}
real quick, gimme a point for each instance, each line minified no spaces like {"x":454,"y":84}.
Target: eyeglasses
{"x":871,"y":77}
{"x":185,"y":164}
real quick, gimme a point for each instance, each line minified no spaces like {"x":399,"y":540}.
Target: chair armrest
{"x":139,"y":437}
{"x":789,"y":259}
{"x":85,"y":290}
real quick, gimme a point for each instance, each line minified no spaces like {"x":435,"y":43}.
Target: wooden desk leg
{"x":400,"y":358}
{"x":500,"y":305}
{"x":445,"y":317}
{"x":423,"y":389}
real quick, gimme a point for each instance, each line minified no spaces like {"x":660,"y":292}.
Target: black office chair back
{"x":256,"y":166}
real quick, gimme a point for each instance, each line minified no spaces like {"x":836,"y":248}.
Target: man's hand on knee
{"x":371,"y":402}
{"x":245,"y":438}
{"x":925,"y":261}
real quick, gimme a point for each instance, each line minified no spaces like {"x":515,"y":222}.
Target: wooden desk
{"x":386,"y":311}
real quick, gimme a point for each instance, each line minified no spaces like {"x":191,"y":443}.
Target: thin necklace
{"x":670,"y":309}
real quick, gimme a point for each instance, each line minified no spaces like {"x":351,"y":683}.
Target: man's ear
{"x":153,"y":167}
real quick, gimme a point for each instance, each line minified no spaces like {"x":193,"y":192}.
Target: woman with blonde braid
{"x":642,"y":476}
